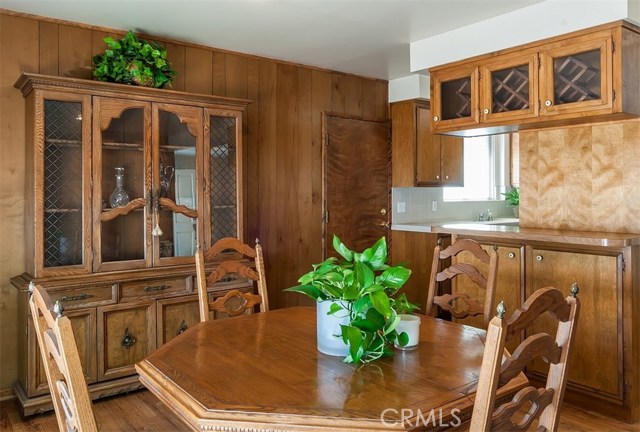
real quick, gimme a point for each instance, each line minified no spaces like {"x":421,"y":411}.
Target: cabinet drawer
{"x":131,"y":291}
{"x":82,"y":297}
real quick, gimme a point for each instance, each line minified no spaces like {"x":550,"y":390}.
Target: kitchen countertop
{"x":512,"y":232}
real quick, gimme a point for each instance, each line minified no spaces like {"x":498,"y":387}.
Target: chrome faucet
{"x":489,"y":215}
{"x":481,"y":217}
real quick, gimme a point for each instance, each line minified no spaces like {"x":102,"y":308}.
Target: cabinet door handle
{"x":128,"y":340}
{"x":182,"y":328}
{"x":547,"y":103}
{"x":511,"y":255}
{"x":83,"y":296}
{"x":156,"y":288}
{"x":446,"y":177}
{"x":538,"y":257}
{"x":436,"y":118}
{"x":437,"y":177}
{"x":486,"y":111}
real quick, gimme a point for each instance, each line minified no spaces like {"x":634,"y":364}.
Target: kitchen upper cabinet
{"x":420,"y":158}
{"x":590,"y":75}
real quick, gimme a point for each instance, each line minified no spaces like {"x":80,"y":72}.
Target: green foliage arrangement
{"x":364,"y":285}
{"x":512,"y":197}
{"x":133,"y":61}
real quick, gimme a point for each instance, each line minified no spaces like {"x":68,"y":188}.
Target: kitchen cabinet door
{"x":454,"y":98}
{"x":595,"y":364}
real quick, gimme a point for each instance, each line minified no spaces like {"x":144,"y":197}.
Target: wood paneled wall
{"x":581,"y":178}
{"x":282,"y":140}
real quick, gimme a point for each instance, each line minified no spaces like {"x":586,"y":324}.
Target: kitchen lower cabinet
{"x":596,"y":358}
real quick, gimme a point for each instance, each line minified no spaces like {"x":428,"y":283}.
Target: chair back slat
{"x":539,"y":345}
{"x":539,"y":399}
{"x":63,"y":369}
{"x":234,"y":302}
{"x":499,"y":367}
{"x":460,"y":304}
{"x":542,"y":300}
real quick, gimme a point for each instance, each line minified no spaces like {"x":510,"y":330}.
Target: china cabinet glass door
{"x":121,"y":184}
{"x":222,"y":176}
{"x":177,"y":166}
{"x":65,"y":206}
{"x":577,"y":76}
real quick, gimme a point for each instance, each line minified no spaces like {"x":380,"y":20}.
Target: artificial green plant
{"x":133,"y":61}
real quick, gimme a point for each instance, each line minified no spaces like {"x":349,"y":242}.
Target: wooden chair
{"x":460,"y":304}
{"x":498,"y":368}
{"x":234,"y":302}
{"x":61,"y":361}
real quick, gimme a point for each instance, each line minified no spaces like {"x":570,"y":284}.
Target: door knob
{"x":383,"y":212}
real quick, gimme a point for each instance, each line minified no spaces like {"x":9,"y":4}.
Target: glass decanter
{"x":119,"y":197}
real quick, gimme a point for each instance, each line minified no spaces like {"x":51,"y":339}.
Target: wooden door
{"x":175,"y":316}
{"x":509,"y":282}
{"x":356,"y":183}
{"x":596,"y":359}
{"x":427,"y":150}
{"x":126,"y":335}
{"x":83,"y":323}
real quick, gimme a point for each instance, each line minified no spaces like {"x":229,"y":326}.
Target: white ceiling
{"x":364,"y":37}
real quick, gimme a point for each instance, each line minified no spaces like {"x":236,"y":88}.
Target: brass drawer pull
{"x":156,"y":288}
{"x":75,"y":297}
{"x":182,"y":328}
{"x":128,"y":340}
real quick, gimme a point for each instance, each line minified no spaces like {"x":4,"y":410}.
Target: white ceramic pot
{"x":329,"y":331}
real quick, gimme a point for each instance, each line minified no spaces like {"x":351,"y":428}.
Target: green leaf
{"x":308,"y":290}
{"x":376,"y":255}
{"x":351,"y":291}
{"x":381,"y":303}
{"x":353,"y":337}
{"x":334,"y":307}
{"x":364,"y":275}
{"x":344,"y":251}
{"x":403,"y":339}
{"x":361,"y":305}
{"x":394,"y":277}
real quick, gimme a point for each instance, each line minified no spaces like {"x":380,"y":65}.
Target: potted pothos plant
{"x":360,"y":287}
{"x":133,"y":61}
{"x":512,"y":198}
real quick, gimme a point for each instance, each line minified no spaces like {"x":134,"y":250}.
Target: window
{"x":485,"y":169}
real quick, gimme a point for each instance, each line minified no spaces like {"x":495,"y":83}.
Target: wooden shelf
{"x":62,"y":210}
{"x":63,"y":142}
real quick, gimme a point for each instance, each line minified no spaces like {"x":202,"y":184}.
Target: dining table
{"x":263,"y":372}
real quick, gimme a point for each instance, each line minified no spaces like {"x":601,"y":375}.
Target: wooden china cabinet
{"x":123,"y":183}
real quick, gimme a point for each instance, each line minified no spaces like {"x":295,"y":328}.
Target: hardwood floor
{"x":141,"y":411}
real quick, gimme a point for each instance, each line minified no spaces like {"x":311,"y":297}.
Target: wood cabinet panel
{"x":428,"y":150}
{"x":596,"y":360}
{"x":126,"y":335}
{"x":145,"y":289}
{"x":83,"y":323}
{"x":175,"y":316}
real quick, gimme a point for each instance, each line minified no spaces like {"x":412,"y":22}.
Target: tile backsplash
{"x":418,"y":203}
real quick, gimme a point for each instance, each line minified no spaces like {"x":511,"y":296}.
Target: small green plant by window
{"x":133,"y":61}
{"x":512,"y":197}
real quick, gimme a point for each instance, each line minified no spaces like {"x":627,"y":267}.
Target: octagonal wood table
{"x":263,"y":372}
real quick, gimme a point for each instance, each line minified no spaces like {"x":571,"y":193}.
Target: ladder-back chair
{"x":499,"y":368}
{"x":235,"y":302}
{"x":61,"y":361}
{"x":461,"y":304}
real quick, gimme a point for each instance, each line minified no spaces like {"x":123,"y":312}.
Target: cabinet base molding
{"x":41,"y":404}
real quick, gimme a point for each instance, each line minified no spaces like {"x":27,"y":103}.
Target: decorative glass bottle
{"x":119,"y":197}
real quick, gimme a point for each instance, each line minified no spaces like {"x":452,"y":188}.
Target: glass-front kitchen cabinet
{"x":123,"y":184}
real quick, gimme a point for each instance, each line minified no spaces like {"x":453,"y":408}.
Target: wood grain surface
{"x":268,"y":373}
